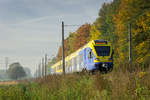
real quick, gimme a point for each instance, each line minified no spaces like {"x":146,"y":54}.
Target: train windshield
{"x":102,"y":50}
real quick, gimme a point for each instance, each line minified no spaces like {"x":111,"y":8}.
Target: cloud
{"x":39,"y":19}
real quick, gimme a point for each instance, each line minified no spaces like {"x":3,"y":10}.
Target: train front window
{"x":102,"y":50}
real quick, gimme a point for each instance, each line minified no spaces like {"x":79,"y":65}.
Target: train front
{"x":104,"y":55}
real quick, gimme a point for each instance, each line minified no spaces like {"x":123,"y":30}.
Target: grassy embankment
{"x":123,"y":83}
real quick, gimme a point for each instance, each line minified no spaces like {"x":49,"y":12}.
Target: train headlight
{"x":104,"y":65}
{"x":97,"y":59}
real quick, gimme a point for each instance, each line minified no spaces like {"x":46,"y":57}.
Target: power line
{"x":71,"y":25}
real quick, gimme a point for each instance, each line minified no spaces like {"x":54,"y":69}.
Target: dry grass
{"x":123,"y":83}
{"x":8,"y":83}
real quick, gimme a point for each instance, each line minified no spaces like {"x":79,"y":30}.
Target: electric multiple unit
{"x":95,"y":55}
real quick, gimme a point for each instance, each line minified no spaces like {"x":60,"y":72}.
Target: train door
{"x":85,"y":58}
{"x":90,"y":59}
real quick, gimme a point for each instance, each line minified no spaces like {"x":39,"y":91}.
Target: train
{"x":96,"y":55}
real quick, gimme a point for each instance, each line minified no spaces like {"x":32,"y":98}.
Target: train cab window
{"x":102,"y":50}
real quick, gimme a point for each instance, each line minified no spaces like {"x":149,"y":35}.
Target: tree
{"x":142,"y":38}
{"x":94,"y":33}
{"x":112,"y":25}
{"x":16,"y":71}
{"x":68,"y":47}
{"x":59,"y":54}
{"x":71,"y":40}
{"x":52,"y":61}
{"x":131,"y":11}
{"x":82,"y":36}
{"x":28,"y":72}
{"x":71,"y":43}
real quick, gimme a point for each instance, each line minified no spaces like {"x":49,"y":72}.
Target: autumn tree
{"x":59,"y":54}
{"x":75,"y":40}
{"x":94,"y":32}
{"x":142,"y":39}
{"x":81,"y":37}
{"x":68,"y":47}
{"x":71,"y":42}
{"x":130,"y":11}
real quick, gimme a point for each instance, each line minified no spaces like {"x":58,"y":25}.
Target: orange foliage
{"x":81,"y":37}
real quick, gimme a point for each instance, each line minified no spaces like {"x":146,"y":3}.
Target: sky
{"x":29,"y":29}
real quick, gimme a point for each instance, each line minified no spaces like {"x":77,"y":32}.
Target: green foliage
{"x":53,"y":61}
{"x":112,"y":24}
{"x":82,"y":35}
{"x":71,"y":40}
{"x":94,"y":33}
{"x":130,"y":11}
{"x":28,"y":72}
{"x":16,"y":71}
{"x":140,"y":90}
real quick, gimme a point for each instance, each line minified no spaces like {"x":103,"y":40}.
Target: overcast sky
{"x":31,"y":28}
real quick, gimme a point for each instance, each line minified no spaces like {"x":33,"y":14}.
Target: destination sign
{"x":100,"y":42}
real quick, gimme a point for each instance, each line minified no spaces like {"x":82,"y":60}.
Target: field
{"x":8,"y":83}
{"x":124,"y":83}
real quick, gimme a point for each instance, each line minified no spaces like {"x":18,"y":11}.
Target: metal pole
{"x":42,"y":67}
{"x":39,"y":70}
{"x":6,"y":62}
{"x":130,"y":45}
{"x":63,"y":53}
{"x":36,"y":73}
{"x":45,"y":64}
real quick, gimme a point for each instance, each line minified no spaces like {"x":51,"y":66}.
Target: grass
{"x":123,"y":83}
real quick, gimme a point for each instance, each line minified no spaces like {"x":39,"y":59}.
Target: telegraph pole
{"x":36,"y":73}
{"x":42,"y":67}
{"x":39,"y":70}
{"x":6,"y":63}
{"x":63,"y":53}
{"x":45,"y":64}
{"x":130,"y":45}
